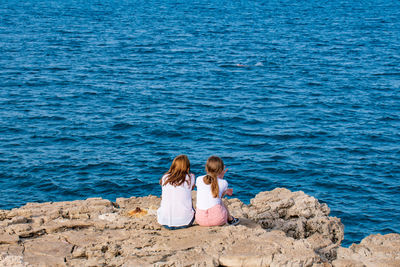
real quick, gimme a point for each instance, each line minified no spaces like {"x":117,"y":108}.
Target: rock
{"x":78,"y":209}
{"x":269,"y":249}
{"x":278,"y":228}
{"x":79,"y":252}
{"x":374,"y":250}
{"x":299,"y":216}
{"x":110,"y":217}
{"x":236,"y":207}
{"x":62,"y":225}
{"x":149,"y":202}
{"x":49,"y":250}
{"x":11,"y":260}
{"x":6,"y":238}
{"x":18,"y":220}
{"x":3,"y":215}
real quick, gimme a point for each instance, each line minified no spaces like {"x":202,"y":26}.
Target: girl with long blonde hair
{"x":210,"y":209}
{"x":176,"y":209}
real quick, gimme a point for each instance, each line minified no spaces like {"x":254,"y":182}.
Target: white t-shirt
{"x":176,"y":207}
{"x":205,"y":199}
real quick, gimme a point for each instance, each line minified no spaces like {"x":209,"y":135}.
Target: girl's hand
{"x":221,"y":175}
{"x":229,"y":191}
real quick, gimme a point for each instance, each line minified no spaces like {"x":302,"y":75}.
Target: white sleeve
{"x":223,"y":186}
{"x":163,"y":179}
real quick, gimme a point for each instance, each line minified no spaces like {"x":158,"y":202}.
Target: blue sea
{"x":98,"y":97}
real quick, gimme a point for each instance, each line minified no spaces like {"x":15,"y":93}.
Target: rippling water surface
{"x":98,"y":97}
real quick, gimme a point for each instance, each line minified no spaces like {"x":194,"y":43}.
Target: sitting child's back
{"x":176,"y":209}
{"x":205,"y":199}
{"x":211,"y":187}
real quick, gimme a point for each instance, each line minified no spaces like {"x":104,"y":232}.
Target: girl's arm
{"x":221,"y":175}
{"x":228,"y":192}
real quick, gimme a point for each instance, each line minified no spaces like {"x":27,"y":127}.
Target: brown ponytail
{"x":208,"y":179}
{"x":214,"y":167}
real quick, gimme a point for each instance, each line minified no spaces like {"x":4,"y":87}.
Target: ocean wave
{"x":99,"y":165}
{"x":121,"y":126}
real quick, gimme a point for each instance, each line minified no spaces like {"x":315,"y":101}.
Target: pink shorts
{"x":214,"y":216}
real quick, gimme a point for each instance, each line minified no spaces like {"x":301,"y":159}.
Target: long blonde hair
{"x":214,"y":167}
{"x":180,"y":167}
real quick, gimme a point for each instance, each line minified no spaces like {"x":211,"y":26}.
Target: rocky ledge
{"x":278,"y":228}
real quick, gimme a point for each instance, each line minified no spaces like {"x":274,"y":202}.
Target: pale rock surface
{"x":278,"y":228}
{"x":374,"y":250}
{"x":300,"y":216}
{"x":10,"y":260}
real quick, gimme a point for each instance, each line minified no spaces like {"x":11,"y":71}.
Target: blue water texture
{"x":98,"y":97}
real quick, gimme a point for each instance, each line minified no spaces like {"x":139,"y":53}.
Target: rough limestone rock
{"x":374,"y":250}
{"x":98,"y":232}
{"x":299,"y":216}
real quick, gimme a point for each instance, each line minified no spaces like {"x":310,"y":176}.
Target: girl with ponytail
{"x":211,"y":187}
{"x":176,"y":209}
